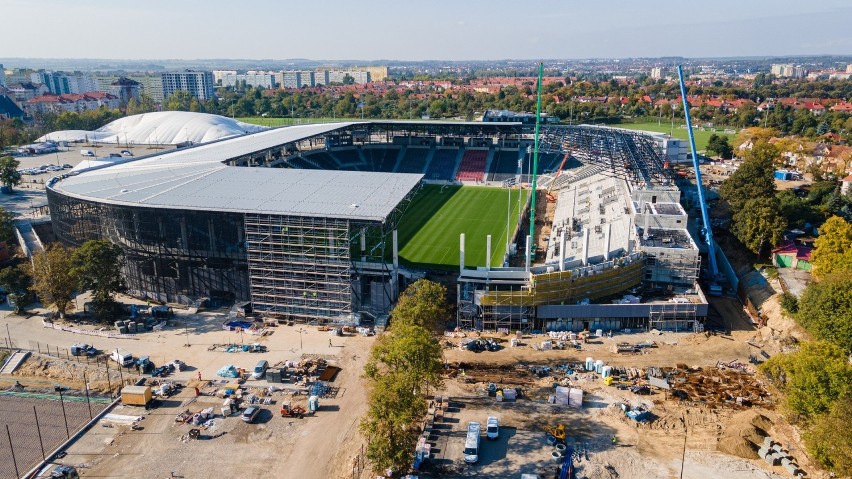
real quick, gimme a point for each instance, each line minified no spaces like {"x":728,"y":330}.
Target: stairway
{"x":14,"y":361}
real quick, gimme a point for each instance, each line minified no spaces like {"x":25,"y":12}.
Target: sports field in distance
{"x":701,"y":134}
{"x":430,"y":228}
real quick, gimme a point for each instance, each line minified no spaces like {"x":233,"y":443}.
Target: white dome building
{"x":160,"y":128}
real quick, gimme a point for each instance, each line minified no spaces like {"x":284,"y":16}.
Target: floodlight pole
{"x":535,"y":160}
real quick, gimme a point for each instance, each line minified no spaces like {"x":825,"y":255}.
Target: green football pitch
{"x":430,"y":228}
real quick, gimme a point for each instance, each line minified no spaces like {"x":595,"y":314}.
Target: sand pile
{"x":743,"y":434}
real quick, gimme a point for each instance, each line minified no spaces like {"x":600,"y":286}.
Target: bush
{"x":789,"y":303}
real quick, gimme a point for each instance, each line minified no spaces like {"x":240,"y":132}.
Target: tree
{"x":811,"y":378}
{"x":97,"y":265}
{"x":825,"y":309}
{"x":55,"y":279}
{"x":9,"y":174}
{"x":7,"y":227}
{"x":348,"y":79}
{"x":830,"y":438}
{"x":833,"y":247}
{"x":423,"y":303}
{"x":404,"y":364}
{"x":16,"y":280}
{"x":390,"y":424}
{"x":759,"y":223}
{"x":409,"y":349}
{"x":753,"y":179}
{"x":720,"y":146}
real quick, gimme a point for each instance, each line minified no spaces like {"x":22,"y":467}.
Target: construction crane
{"x":550,"y":197}
{"x":715,"y":289}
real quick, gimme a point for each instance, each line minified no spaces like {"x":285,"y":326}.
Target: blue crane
{"x":715,"y":288}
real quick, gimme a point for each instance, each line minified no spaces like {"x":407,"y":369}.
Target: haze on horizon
{"x":439,"y":29}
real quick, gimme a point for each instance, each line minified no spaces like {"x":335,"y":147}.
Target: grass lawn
{"x":701,"y":136}
{"x":429,"y":231}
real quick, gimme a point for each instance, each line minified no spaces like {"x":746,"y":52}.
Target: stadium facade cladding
{"x":311,"y":236}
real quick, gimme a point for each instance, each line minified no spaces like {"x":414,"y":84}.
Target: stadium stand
{"x":472,"y":166}
{"x":381,"y":159}
{"x":443,"y":165}
{"x":348,"y":159}
{"x":322,"y":161}
{"x":504,"y":165}
{"x":413,"y":161}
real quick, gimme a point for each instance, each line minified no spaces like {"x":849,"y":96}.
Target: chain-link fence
{"x":34,"y":424}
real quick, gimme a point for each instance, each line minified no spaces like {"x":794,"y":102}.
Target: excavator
{"x":550,"y":197}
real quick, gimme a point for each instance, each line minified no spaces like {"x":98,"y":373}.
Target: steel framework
{"x":632,"y":156}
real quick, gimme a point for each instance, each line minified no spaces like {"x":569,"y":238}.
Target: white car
{"x":492,"y":428}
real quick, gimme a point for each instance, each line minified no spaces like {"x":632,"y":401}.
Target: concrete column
{"x":488,"y":252}
{"x":395,"y":278}
{"x":586,"y":234}
{"x":364,"y":244}
{"x":647,"y":224}
{"x":395,"y":251}
{"x":562,"y":250}
{"x":608,"y":236}
{"x":527,"y":252}
{"x":461,"y":252}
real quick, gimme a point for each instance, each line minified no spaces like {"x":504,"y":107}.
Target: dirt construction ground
{"x":707,"y":434}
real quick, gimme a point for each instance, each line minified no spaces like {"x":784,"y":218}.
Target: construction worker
{"x":329,"y":343}
{"x":614,"y":439}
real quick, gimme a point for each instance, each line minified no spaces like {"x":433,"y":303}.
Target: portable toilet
{"x":606,"y":371}
{"x":313,"y":403}
{"x":599,"y":366}
{"x":590,"y":364}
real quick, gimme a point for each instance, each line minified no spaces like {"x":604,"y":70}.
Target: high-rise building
{"x":251,"y":78}
{"x":378,"y":73}
{"x":125,"y":89}
{"x":2,"y":75}
{"x":219,"y":76}
{"x":788,"y":70}
{"x":60,"y":83}
{"x":198,"y":83}
{"x":849,"y":68}
{"x":150,"y":85}
{"x":295,"y":79}
{"x":658,"y":73}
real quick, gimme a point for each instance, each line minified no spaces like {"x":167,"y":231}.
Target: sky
{"x":422,"y":30}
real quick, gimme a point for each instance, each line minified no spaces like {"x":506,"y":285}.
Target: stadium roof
{"x":160,"y":127}
{"x":197,"y":179}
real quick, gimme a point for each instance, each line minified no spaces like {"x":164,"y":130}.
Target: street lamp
{"x":300,"y":331}
{"x":59,"y":389}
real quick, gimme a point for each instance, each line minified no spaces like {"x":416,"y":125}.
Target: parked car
{"x":250,"y":414}
{"x":126,"y":153}
{"x":492,"y":428}
{"x":82,"y":349}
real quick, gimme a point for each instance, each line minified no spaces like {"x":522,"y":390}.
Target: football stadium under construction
{"x":308,"y":223}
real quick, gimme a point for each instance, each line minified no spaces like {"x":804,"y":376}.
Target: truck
{"x":136,"y":395}
{"x":471,"y":443}
{"x":122,"y":357}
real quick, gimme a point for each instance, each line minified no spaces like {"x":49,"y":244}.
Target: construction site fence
{"x":114,"y":370}
{"x":34,"y":424}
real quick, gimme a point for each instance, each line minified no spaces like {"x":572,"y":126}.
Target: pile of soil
{"x":69,"y":373}
{"x":744,"y":434}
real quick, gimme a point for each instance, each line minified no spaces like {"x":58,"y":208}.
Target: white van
{"x":260,"y":369}
{"x":122,"y":357}
{"x":492,"y":428}
{"x":87,"y":152}
{"x":471,"y":443}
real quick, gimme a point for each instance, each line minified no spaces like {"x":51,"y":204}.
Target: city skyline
{"x":383,"y":30}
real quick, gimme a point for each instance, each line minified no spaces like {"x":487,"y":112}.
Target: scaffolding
{"x":300,"y":266}
{"x":673,"y":316}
